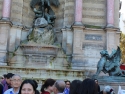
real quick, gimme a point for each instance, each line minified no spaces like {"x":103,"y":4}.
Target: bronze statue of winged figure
{"x":110,"y":63}
{"x":42,"y":8}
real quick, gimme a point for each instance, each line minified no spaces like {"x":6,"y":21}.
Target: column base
{"x":78,"y":24}
{"x":5,"y":19}
{"x":110,"y":26}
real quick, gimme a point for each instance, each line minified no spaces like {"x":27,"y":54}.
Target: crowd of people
{"x":13,"y":84}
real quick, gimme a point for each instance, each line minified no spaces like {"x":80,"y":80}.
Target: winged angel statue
{"x":42,"y":8}
{"x":110,"y":63}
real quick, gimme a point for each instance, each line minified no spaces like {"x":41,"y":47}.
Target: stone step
{"x":43,"y":73}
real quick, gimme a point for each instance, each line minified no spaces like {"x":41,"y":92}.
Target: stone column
{"x":77,"y":34}
{"x":110,"y":13}
{"x":6,"y":9}
{"x":78,"y":12}
{"x":112,"y":34}
{"x":5,"y":25}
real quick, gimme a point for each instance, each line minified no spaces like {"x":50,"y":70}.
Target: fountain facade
{"x":60,"y":42}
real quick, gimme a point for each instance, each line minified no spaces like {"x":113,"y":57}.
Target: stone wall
{"x":21,"y":13}
{"x":1,"y":3}
{"x":94,"y":12}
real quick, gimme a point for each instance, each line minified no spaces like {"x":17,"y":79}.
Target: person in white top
{"x":16,"y":81}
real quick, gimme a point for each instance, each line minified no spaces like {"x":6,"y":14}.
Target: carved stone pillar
{"x":4,"y":38}
{"x":6,"y":9}
{"x":78,"y":12}
{"x":113,"y":38}
{"x":77,"y":34}
{"x":112,"y":33}
{"x":5,"y":25}
{"x":110,"y":13}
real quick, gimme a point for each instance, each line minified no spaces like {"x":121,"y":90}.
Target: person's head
{"x":4,"y":75}
{"x":16,"y":81}
{"x":88,"y":86}
{"x":8,"y":78}
{"x":67,"y":82}
{"x":74,"y":86}
{"x":59,"y":86}
{"x":27,"y":87}
{"x":48,"y":85}
{"x":96,"y":81}
{"x":108,"y":90}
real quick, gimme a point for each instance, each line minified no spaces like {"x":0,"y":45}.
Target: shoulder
{"x":3,"y":82}
{"x":8,"y":91}
{"x":45,"y":92}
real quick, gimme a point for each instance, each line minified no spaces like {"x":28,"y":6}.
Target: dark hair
{"x":47,"y":83}
{"x":36,"y":85}
{"x":67,"y":81}
{"x":88,"y":86}
{"x":9,"y":75}
{"x":28,"y":81}
{"x":74,"y":86}
{"x":4,"y":75}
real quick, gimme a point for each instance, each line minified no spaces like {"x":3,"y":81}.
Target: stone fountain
{"x":40,"y":50}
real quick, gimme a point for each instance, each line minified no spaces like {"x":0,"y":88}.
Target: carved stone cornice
{"x":112,"y":29}
{"x":6,"y":22}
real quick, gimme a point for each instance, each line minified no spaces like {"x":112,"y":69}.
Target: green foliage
{"x":122,"y":46}
{"x":92,"y":26}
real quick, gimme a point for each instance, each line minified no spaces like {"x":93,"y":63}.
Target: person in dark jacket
{"x":96,"y":81}
{"x":88,"y":86}
{"x":1,"y":88}
{"x":7,"y":82}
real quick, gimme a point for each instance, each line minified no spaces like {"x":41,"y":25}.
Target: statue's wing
{"x":118,"y":54}
{"x":33,"y":3}
{"x":55,"y":2}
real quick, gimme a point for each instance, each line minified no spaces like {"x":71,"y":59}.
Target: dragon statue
{"x":110,"y":63}
{"x":42,"y":8}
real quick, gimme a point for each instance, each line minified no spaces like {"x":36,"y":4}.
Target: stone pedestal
{"x":4,"y":41}
{"x":67,"y":41}
{"x":112,"y":81}
{"x":77,"y":45}
{"x":113,"y":38}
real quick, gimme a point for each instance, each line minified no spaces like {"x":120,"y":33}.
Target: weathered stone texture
{"x":59,"y":12}
{"x":16,"y":11}
{"x":1,"y":4}
{"x":94,"y":12}
{"x":27,"y":14}
{"x":69,"y":13}
{"x":116,"y":14}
